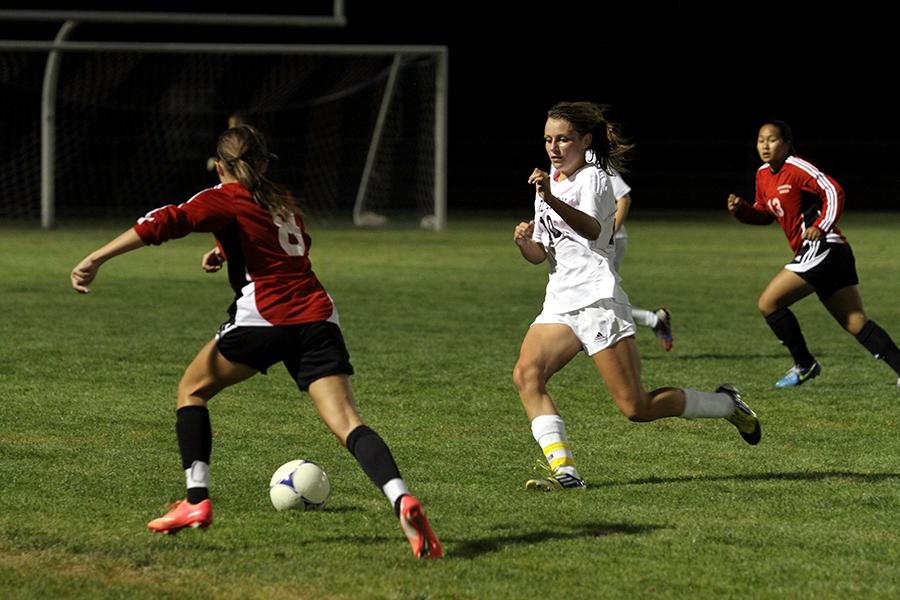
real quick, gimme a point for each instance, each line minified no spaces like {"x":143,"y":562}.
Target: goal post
{"x":361,"y":130}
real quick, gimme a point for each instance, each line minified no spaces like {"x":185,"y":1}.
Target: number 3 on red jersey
{"x":290,"y":236}
{"x":774,"y":205}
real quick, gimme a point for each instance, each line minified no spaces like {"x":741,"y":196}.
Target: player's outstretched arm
{"x":85,"y":271}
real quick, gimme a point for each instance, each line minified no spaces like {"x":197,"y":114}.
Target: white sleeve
{"x":595,"y":195}
{"x":619,"y":187}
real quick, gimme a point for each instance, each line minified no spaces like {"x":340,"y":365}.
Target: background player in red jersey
{"x":281,"y":313}
{"x":807,"y":204}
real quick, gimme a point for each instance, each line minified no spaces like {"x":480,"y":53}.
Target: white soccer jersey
{"x":580,"y":270}
{"x":619,"y":187}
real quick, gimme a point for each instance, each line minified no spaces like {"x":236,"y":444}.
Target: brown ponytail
{"x":243,"y":151}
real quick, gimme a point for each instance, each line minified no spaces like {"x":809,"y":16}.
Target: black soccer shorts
{"x":309,"y":351}
{"x":826,"y":266}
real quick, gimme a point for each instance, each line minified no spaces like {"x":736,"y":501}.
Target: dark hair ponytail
{"x":243,"y":151}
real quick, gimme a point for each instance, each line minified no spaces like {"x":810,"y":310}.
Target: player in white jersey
{"x":585,"y":308}
{"x":659,"y":320}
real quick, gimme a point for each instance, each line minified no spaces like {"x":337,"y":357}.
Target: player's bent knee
{"x":343,"y":429}
{"x":854,"y":323}
{"x":190,"y":391}
{"x":765,"y":307}
{"x":634,"y":407}
{"x":639,"y":416}
{"x":526,"y":376}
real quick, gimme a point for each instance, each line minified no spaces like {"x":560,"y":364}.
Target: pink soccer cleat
{"x":663,"y":329}
{"x":183,"y":514}
{"x":414,"y":524}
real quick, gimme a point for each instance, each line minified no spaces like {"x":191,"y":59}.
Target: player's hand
{"x":83,"y":274}
{"x":523,"y":232}
{"x":734,"y":203}
{"x":541,"y":181}
{"x":812,"y":234}
{"x":212,"y":261}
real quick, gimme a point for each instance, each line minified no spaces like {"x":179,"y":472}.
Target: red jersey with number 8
{"x":798,"y":196}
{"x":267,"y":256}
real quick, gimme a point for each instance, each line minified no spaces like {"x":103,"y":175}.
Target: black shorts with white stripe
{"x":827,"y":266}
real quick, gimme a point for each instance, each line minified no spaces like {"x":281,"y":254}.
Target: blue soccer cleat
{"x":798,"y":376}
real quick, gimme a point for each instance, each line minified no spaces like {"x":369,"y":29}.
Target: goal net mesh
{"x":135,"y":130}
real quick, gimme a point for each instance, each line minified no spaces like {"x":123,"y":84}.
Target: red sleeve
{"x":210,"y":210}
{"x":756,"y":213}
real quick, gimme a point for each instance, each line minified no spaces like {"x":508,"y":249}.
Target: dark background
{"x":689,"y":84}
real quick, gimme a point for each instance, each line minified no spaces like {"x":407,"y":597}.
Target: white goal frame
{"x":59,"y":46}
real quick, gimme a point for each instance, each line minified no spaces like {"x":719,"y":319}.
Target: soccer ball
{"x":299,"y":485}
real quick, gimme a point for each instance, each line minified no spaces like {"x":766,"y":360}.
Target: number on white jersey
{"x":547,"y":222}
{"x":287,"y":229}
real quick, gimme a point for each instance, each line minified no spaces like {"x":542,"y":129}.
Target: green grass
{"x":674,"y":509}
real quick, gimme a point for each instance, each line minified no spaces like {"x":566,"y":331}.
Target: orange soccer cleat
{"x":414,"y":524}
{"x":183,"y":514}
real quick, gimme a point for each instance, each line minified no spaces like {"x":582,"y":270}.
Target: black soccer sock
{"x":373,"y":455}
{"x":195,"y":442}
{"x":787,"y":329}
{"x":879,"y":343}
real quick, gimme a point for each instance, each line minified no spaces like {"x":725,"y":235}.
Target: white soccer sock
{"x":395,"y":488}
{"x":647,"y":318}
{"x":549,"y":432}
{"x":706,"y":405}
{"x":197,"y":476}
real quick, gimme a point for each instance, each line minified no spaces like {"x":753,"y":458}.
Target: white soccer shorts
{"x":597,"y":326}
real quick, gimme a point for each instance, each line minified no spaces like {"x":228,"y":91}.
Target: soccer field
{"x":433,"y":321}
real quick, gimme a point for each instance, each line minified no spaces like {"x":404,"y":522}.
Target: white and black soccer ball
{"x":299,"y":485}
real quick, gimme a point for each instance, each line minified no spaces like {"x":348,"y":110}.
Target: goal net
{"x":355,"y":134}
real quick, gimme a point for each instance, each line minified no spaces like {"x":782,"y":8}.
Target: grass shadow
{"x":475,"y":548}
{"x":789,"y":476}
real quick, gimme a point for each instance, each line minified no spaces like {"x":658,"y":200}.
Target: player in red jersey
{"x":807,"y":204}
{"x":281,"y":313}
